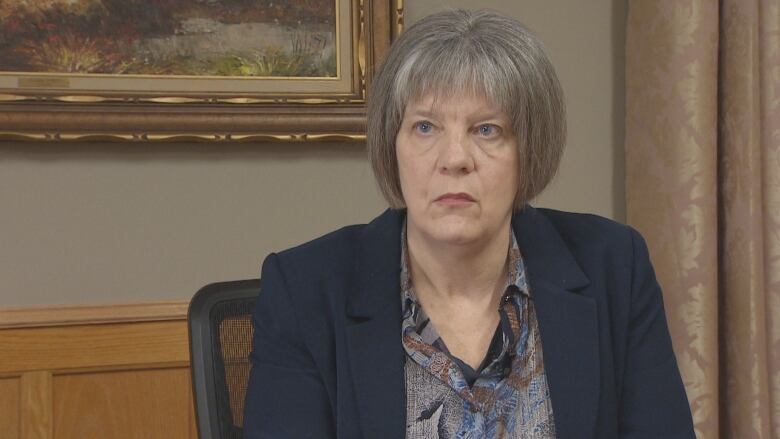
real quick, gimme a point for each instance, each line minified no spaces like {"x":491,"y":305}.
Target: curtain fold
{"x":703,"y":187}
{"x":769,"y":16}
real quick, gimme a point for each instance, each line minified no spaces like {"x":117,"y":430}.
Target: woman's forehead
{"x":439,"y":104}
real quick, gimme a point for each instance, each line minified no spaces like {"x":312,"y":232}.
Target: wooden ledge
{"x":92,"y":314}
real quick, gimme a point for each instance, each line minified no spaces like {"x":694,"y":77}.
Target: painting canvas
{"x":200,"y":38}
{"x":182,"y":70}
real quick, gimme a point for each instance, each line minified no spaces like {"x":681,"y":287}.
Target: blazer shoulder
{"x":589,"y":231}
{"x":307,"y":283}
{"x":326,"y":243}
{"x":606,"y":250}
{"x":328,"y":253}
{"x":340,"y":248}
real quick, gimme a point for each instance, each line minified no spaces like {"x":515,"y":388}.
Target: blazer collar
{"x":378,"y":264}
{"x":544,"y":251}
{"x":567,"y":322}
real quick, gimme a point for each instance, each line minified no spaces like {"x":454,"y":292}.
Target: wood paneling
{"x":129,"y":404}
{"x":84,"y":375}
{"x":9,"y":408}
{"x":93,"y":346}
{"x":85,"y":315}
{"x":36,"y":405}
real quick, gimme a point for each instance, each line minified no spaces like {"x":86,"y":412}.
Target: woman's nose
{"x":455,"y":155}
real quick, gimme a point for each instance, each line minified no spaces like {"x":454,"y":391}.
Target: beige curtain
{"x":703,"y":187}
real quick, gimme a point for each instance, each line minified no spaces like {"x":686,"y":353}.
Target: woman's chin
{"x":454,"y":227}
{"x":455,"y":233}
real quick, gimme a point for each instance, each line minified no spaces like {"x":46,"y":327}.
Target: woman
{"x":462,"y":311}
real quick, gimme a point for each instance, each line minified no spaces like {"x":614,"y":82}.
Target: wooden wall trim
{"x":89,"y":347}
{"x":92,"y":314}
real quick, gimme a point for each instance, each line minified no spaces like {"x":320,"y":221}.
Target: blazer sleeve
{"x":286,"y":397}
{"x":653,"y":402}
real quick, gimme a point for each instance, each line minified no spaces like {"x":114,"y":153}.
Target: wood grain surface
{"x":9,"y":408}
{"x":36,"y":405}
{"x":129,"y":404}
{"x":93,"y":346}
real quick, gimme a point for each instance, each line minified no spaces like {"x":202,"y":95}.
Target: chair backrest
{"x":220,"y":326}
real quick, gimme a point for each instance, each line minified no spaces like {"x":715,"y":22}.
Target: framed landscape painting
{"x":212,"y":70}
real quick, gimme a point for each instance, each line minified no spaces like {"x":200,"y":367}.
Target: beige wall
{"x":116,"y":223}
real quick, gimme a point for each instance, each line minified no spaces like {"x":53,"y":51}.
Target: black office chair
{"x":220,"y":326}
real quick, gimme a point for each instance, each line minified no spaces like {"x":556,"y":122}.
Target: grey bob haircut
{"x":477,"y":53}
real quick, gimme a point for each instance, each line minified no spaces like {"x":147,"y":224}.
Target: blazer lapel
{"x":373,"y":331}
{"x":568,"y":324}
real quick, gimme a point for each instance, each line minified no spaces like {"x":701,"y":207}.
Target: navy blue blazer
{"x":327,"y":359}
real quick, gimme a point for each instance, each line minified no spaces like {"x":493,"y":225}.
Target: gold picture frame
{"x":126,"y":108}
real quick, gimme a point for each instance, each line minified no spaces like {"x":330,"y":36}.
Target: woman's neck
{"x":458,"y":272}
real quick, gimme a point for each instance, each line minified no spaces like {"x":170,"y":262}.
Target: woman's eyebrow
{"x":489,"y":115}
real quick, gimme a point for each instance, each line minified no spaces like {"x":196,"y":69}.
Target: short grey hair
{"x":473,"y":52}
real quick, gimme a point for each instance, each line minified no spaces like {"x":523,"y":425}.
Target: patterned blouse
{"x":506,"y":397}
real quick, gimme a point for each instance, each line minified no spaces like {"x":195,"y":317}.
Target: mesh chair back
{"x":220,"y":326}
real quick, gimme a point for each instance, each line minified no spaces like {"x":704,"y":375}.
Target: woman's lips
{"x":459,"y":199}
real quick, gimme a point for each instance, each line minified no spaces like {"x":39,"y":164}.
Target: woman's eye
{"x":424,"y":127}
{"x":488,"y":130}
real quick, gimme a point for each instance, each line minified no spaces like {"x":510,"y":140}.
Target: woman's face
{"x":458,"y":167}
